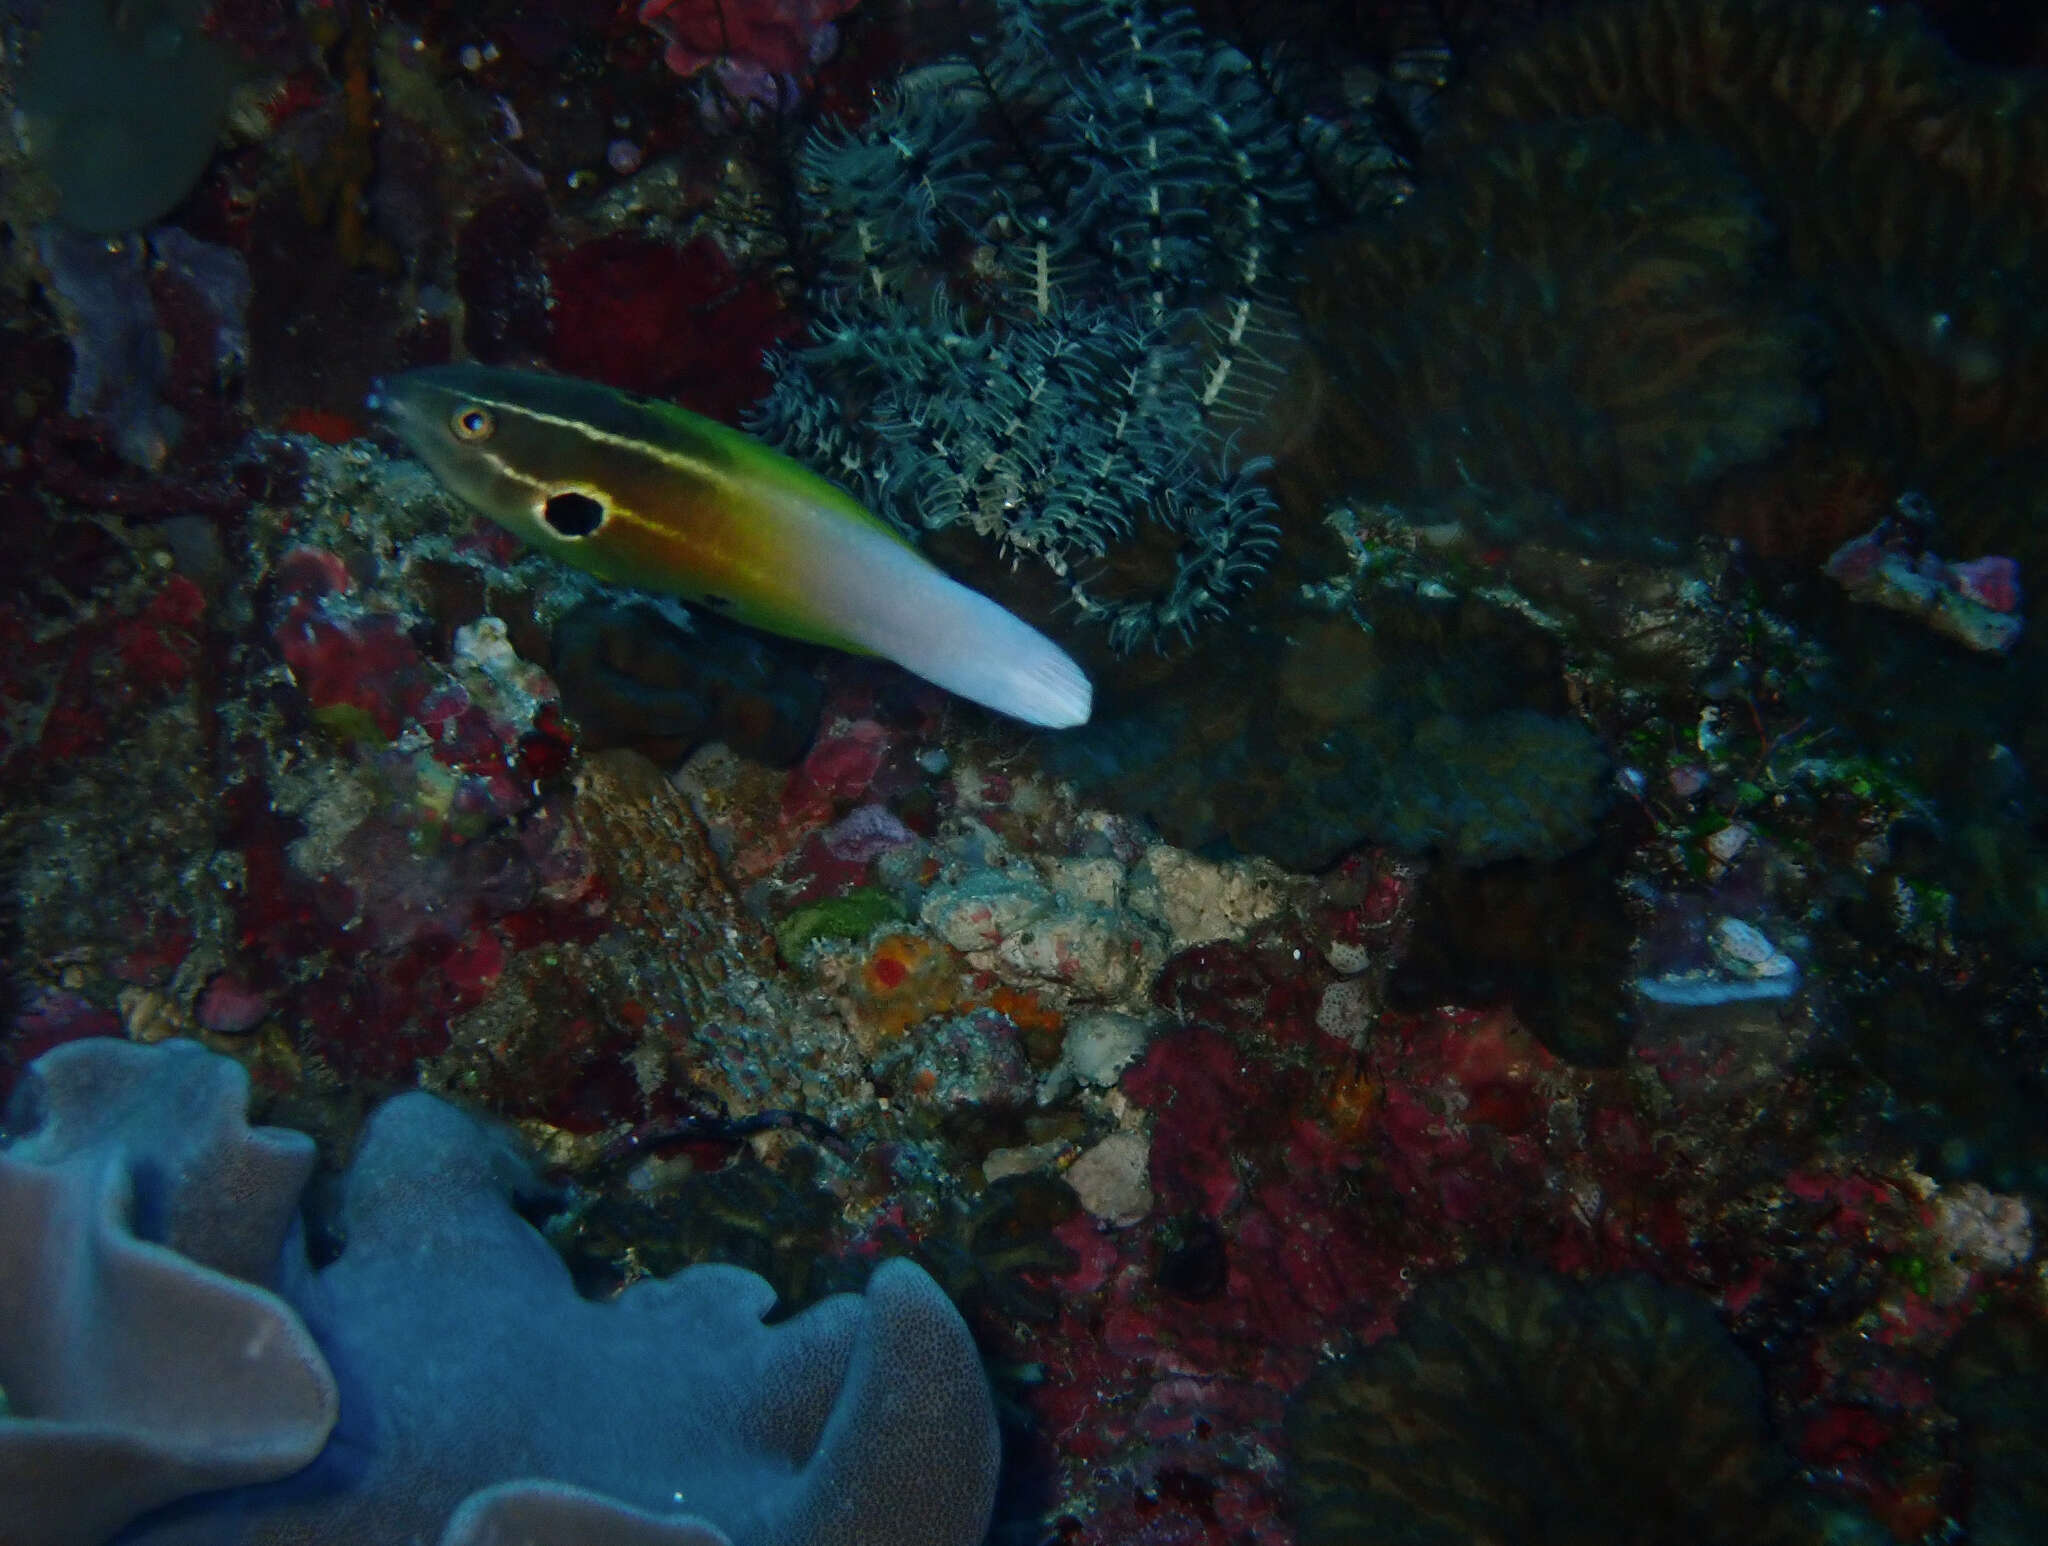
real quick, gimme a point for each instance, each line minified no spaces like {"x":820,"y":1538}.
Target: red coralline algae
{"x":260,"y":29}
{"x":311,"y":572}
{"x":373,"y":1027}
{"x":157,"y":648}
{"x":1840,"y":1435}
{"x":323,"y":424}
{"x":840,"y":769}
{"x":778,"y":36}
{"x":162,"y":941}
{"x":366,"y":937}
{"x":650,"y":317}
{"x":582,"y":1079}
{"x":472,"y":968}
{"x":546,"y":752}
{"x":73,"y":460}
{"x":1268,"y":989}
{"x":228,"y":1005}
{"x":1168,"y":1371}
{"x":1449,"y":1081}
{"x":1302,"y":1188}
{"x":1199,"y":1089}
{"x":1852,"y":1201}
{"x":72,"y":730}
{"x":283,"y":916}
{"x":92,"y":676}
{"x":1173,"y":1424}
{"x":368,"y":664}
{"x":372,"y":1015}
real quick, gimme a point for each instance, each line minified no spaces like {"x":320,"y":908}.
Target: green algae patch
{"x":349,"y":724}
{"x":853,"y":916}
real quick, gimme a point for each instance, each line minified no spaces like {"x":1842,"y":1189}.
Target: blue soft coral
{"x":480,"y":1396}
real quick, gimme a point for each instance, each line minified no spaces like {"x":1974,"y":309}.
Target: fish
{"x":642,"y":493}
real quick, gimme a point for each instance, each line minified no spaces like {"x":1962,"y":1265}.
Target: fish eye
{"x":471,"y":422}
{"x":572,"y":514}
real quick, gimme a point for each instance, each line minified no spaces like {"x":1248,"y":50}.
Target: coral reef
{"x":675,"y":1400}
{"x":1993,"y":1378}
{"x":1646,"y":909}
{"x":431,"y":842}
{"x":1513,"y":1404}
{"x":1515,"y":784}
{"x":1566,"y":333}
{"x":756,"y":50}
{"x":1436,"y":728}
{"x":782,"y":1223}
{"x":1898,"y":179}
{"x":630,"y":676}
{"x":1019,"y":988}
{"x":1963,"y":1063}
{"x":663,"y":879}
{"x":369,"y":882}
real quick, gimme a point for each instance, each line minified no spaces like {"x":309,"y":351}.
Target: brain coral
{"x":143,"y":1225}
{"x":1566,"y":332}
{"x":1905,"y":191}
{"x":1518,"y":1406}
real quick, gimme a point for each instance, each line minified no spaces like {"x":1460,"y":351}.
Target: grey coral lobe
{"x":549,"y":1514}
{"x":481,"y":1399}
{"x":141,"y":1365}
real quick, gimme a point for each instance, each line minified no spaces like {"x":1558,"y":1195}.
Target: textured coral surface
{"x":375,"y":1394}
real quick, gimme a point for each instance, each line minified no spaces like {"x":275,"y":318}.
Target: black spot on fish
{"x":718,"y":603}
{"x":572,"y":515}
